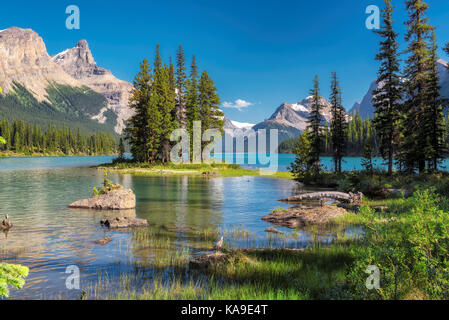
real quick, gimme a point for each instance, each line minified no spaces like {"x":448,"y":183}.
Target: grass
{"x":254,"y":275}
{"x":321,"y":271}
{"x":210,"y":170}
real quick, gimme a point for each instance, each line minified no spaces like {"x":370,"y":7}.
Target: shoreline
{"x":204,"y":170}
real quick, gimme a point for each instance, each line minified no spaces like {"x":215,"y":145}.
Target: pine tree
{"x":303,"y":162}
{"x":415,"y":145}
{"x":181,"y":90}
{"x":338,"y":129}
{"x":121,"y":149}
{"x":164,"y":98}
{"x":157,"y":59}
{"x":138,"y":132}
{"x":192,"y":101}
{"x":387,"y":97}
{"x":367,"y":158}
{"x":209,"y":105}
{"x":434,"y":117}
{"x":446,"y":49}
{"x":314,"y":127}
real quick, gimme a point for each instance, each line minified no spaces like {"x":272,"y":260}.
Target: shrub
{"x":13,"y":275}
{"x":411,"y":251}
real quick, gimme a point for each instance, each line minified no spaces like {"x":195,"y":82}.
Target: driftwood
{"x":352,"y":198}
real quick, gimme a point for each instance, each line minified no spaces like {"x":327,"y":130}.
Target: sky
{"x":260,"y":53}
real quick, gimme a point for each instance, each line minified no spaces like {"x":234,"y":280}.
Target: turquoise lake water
{"x":48,"y":237}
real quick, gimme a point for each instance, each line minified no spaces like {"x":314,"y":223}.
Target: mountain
{"x":291,"y":119}
{"x":366,"y":107}
{"x":242,"y":125}
{"x":59,"y":89}
{"x":80,"y":64}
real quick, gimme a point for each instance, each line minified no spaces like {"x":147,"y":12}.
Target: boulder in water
{"x":124,"y":222}
{"x":119,"y":199}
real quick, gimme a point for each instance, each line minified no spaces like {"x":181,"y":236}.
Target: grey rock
{"x":120,"y":199}
{"x":121,"y":223}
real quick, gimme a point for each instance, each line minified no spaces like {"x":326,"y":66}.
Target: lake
{"x":48,"y":237}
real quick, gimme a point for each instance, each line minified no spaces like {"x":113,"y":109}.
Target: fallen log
{"x":353,"y":198}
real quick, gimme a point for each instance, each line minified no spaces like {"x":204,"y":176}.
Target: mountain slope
{"x":366,"y":107}
{"x":291,"y":119}
{"x":80,"y":64}
{"x":36,"y":88}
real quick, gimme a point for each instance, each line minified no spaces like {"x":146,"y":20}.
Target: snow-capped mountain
{"x":291,"y":119}
{"x":243,"y":125}
{"x":366,"y":107}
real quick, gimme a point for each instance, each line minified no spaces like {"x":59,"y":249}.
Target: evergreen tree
{"x":181,"y":90}
{"x":338,"y":130}
{"x":138,"y":131}
{"x":314,"y":127}
{"x":164,"y":98}
{"x":446,"y":49}
{"x":434,"y":117}
{"x":387,"y":97}
{"x":192,"y":102}
{"x":303,"y":162}
{"x":121,"y":149}
{"x":416,"y":143}
{"x":367,"y":158}
{"x":209,"y":105}
{"x":157,"y":59}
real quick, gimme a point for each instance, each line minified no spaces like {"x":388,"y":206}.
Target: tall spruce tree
{"x":137,"y":132}
{"x":192,"y":102}
{"x":164,"y":99}
{"x":209,"y":105}
{"x":434,"y":117}
{"x":387,"y":98}
{"x":314,"y":123}
{"x":181,"y":82}
{"x":338,"y":130}
{"x":415,"y":140}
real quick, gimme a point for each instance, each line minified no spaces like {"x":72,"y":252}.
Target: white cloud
{"x":238,"y":104}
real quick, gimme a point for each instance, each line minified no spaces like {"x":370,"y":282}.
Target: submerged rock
{"x":120,"y":199}
{"x":297,"y":217}
{"x":104,"y":241}
{"x":124,"y":222}
{"x":273,"y":230}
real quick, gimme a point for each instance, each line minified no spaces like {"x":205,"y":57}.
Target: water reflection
{"x":48,"y":237}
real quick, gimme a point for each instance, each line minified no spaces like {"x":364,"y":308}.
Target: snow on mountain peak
{"x":242,"y":125}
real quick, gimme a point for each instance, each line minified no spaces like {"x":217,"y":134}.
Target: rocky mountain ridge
{"x":25,"y":63}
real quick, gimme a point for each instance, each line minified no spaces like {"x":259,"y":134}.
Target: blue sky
{"x":262,"y":52}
